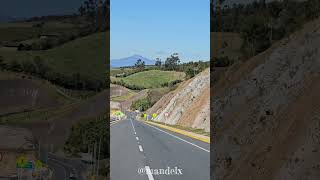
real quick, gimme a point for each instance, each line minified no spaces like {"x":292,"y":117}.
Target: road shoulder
{"x":180,"y":131}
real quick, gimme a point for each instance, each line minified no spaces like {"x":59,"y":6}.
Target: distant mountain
{"x":130,"y":61}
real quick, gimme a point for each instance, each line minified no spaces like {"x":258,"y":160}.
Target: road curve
{"x":62,"y":168}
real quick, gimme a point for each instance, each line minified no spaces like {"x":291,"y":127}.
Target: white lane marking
{"x":134,"y":130}
{"x":140,"y":148}
{"x":114,"y":122}
{"x":180,"y":138}
{"x":148,"y":172}
{"x":137,"y":138}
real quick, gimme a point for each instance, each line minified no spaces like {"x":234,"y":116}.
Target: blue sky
{"x":158,"y":28}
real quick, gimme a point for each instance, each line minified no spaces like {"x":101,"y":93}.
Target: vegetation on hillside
{"x":141,"y":104}
{"x":172,"y":63}
{"x":149,"y":79}
{"x":48,"y":47}
{"x":153,"y":95}
{"x":64,"y":65}
{"x":87,"y":134}
{"x":260,"y":24}
{"x":42,"y":33}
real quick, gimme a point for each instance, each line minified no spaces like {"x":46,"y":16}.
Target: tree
{"x":141,"y":104}
{"x":172,"y":62}
{"x":82,"y":10}
{"x":158,"y":63}
{"x":139,"y":65}
{"x":97,"y":12}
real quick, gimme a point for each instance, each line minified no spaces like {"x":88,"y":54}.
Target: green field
{"x":86,"y":56}
{"x":150,"y":79}
{"x":124,"y":97}
{"x":25,"y":30}
{"x":128,"y":70}
{"x":115,"y":71}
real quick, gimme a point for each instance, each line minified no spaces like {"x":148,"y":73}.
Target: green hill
{"x":20,"y":31}
{"x":149,"y":79}
{"x":86,"y":56}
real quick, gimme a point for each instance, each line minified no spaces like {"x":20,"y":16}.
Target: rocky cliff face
{"x":188,"y":105}
{"x":266,"y":114}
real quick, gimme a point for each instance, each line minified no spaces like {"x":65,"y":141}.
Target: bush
{"x":171,"y":84}
{"x":190,"y":72}
{"x":141,"y":104}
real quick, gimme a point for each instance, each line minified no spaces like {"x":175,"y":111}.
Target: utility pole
{"x":95,"y":157}
{"x":99,"y":157}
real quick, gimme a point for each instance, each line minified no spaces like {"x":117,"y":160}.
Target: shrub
{"x":171,"y":84}
{"x":190,"y":72}
{"x":141,"y":104}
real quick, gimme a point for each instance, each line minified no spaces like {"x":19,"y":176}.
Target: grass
{"x":31,"y":116}
{"x":86,"y":56}
{"x":197,"y":131}
{"x":115,"y":71}
{"x":124,"y":97}
{"x":23,"y":30}
{"x":49,"y":88}
{"x":156,"y":94}
{"x":151,"y":79}
{"x":77,"y":94}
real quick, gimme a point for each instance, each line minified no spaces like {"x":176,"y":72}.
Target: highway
{"x":62,"y":167}
{"x":144,"y":152}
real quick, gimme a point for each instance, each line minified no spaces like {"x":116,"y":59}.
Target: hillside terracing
{"x":266,"y":114}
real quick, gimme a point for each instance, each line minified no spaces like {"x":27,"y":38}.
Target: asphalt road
{"x":135,"y":146}
{"x":62,"y":168}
